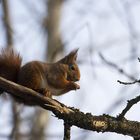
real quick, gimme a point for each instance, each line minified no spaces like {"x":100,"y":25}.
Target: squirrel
{"x":46,"y":78}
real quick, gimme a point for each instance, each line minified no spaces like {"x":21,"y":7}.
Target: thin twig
{"x":128,"y":106}
{"x":67,"y":128}
{"x":116,"y":67}
{"x":128,"y":83}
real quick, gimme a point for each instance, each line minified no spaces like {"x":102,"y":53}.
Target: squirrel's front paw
{"x":77,"y":86}
{"x":74,"y":86}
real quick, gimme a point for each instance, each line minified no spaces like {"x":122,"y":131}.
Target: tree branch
{"x":116,"y":67}
{"x":128,"y":106}
{"x":67,"y":128}
{"x":128,"y":83}
{"x":102,"y":123}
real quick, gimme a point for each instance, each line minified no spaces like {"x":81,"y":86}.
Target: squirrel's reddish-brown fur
{"x":10,"y":63}
{"x":46,"y":78}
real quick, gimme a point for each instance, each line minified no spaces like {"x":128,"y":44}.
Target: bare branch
{"x":128,"y":106}
{"x":113,"y":65}
{"x":67,"y":128}
{"x":128,"y":83}
{"x":102,"y":123}
{"x":120,"y":70}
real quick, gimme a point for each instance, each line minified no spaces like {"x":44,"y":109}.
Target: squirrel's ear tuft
{"x":70,"y":58}
{"x":73,"y":54}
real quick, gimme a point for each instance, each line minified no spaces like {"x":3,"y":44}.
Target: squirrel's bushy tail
{"x":10,"y":63}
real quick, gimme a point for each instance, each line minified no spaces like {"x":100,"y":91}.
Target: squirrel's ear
{"x":71,"y":57}
{"x":73,"y":54}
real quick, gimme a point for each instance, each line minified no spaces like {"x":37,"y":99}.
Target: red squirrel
{"x":46,"y":78}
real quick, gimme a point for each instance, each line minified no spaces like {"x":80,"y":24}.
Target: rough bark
{"x":67,"y":129}
{"x":102,"y":123}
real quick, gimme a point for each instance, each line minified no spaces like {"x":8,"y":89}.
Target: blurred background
{"x":107,"y":33}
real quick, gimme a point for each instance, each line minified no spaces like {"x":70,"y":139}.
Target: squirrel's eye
{"x":72,"y":67}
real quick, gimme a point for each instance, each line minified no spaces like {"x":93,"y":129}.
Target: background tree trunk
{"x":9,"y":40}
{"x":54,"y":47}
